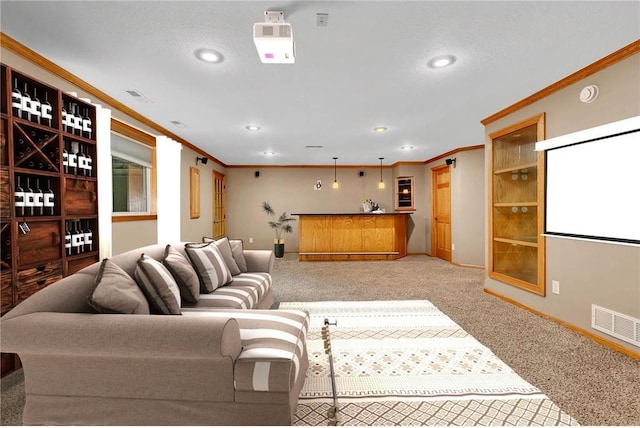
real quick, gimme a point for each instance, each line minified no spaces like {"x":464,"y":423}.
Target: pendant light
{"x":335,"y":174}
{"x":381,"y":184}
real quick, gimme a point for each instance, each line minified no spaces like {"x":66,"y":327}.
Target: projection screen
{"x":592,"y":183}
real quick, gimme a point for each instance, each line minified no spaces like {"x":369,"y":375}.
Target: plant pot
{"x":278,"y":248}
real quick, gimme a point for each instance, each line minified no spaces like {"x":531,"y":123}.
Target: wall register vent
{"x":616,"y":324}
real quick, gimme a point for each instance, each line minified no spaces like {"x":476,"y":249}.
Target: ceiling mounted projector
{"x":274,"y":39}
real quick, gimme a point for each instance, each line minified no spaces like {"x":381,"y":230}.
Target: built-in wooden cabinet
{"x":516,"y":214}
{"x":404,"y":194}
{"x":48,"y":191}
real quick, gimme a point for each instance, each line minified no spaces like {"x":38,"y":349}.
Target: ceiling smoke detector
{"x":274,"y":39}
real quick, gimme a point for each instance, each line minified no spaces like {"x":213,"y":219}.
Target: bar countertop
{"x":358,"y":213}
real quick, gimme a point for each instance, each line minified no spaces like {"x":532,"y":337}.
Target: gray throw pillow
{"x":210,"y":266}
{"x":115,"y":292}
{"x":235,"y":258}
{"x":184,"y":274}
{"x":237,"y":250}
{"x":158,"y":285}
{"x":225,"y":249}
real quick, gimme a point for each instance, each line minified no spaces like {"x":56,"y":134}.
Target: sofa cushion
{"x":115,"y":292}
{"x":237,"y":250}
{"x":245,"y":292}
{"x":273,"y":346}
{"x":224,"y":246}
{"x":210,"y":266}
{"x":158,"y":286}
{"x":184,"y":274}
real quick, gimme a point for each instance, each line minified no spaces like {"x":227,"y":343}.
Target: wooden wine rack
{"x":33,"y":260}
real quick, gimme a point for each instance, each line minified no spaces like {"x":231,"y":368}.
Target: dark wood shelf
{"x":34,"y":151}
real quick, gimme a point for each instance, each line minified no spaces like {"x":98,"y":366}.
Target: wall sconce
{"x":451,"y":162}
{"x":336,"y":185}
{"x":381,"y":184}
{"x":204,"y":160}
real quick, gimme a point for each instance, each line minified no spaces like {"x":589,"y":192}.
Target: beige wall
{"x":605,"y":274}
{"x":133,"y":234}
{"x":194,"y":229}
{"x":292,"y":190}
{"x":467,"y":206}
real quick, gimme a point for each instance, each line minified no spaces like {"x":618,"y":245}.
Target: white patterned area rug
{"x":407,"y":363}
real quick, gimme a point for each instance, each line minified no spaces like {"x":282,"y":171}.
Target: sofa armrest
{"x":259,"y":260}
{"x":130,"y":357}
{"x":121,"y":336}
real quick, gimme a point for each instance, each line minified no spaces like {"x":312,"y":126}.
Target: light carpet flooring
{"x":593,"y":384}
{"x":404,"y":362}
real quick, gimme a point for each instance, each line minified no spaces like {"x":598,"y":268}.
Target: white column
{"x":105,"y":179}
{"x":168,"y":161}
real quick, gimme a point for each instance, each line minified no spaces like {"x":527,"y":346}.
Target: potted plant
{"x":281,"y":225}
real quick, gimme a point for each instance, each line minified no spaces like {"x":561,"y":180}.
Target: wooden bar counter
{"x":352,"y":236}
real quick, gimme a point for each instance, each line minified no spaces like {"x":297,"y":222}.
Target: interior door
{"x":441,"y":218}
{"x":219,"y":205}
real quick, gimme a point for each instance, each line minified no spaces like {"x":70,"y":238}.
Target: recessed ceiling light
{"x":269,"y":153}
{"x":441,"y":61}
{"x":406,"y":148}
{"x":253,"y":127}
{"x":380,"y":129}
{"x":209,"y":55}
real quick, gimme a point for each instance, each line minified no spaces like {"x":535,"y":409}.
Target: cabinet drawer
{"x":6,"y":292}
{"x":34,"y":279}
{"x":41,"y":244}
{"x":80,"y":197}
{"x":75,"y":265}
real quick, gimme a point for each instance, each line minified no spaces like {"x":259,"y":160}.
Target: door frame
{"x":434,"y":184}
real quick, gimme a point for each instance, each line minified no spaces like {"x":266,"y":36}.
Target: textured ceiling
{"x":367,"y":68}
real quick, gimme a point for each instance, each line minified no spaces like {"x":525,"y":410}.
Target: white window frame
{"x":147,"y":178}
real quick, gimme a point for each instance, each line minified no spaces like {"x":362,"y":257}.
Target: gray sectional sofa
{"x":213,"y":364}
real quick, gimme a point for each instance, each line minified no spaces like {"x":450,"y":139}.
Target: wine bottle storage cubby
{"x":77,"y":157}
{"x":36,"y":195}
{"x":77,"y":117}
{"x":43,"y":196}
{"x":79,"y":236}
{"x":35,"y":148}
{"x":33,"y":101}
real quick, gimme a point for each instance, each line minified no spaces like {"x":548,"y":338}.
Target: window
{"x":132,"y":165}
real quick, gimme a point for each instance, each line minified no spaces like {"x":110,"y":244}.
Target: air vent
{"x":616,"y":324}
{"x":137,"y":96}
{"x":272,"y":30}
{"x":313,"y":147}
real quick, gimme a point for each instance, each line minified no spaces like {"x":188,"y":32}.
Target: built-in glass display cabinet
{"x":516,"y":215}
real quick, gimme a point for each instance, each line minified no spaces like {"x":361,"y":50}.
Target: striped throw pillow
{"x":210,"y":266}
{"x":158,"y":286}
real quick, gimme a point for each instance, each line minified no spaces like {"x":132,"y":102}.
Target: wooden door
{"x":441,"y":209}
{"x":219,"y":205}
